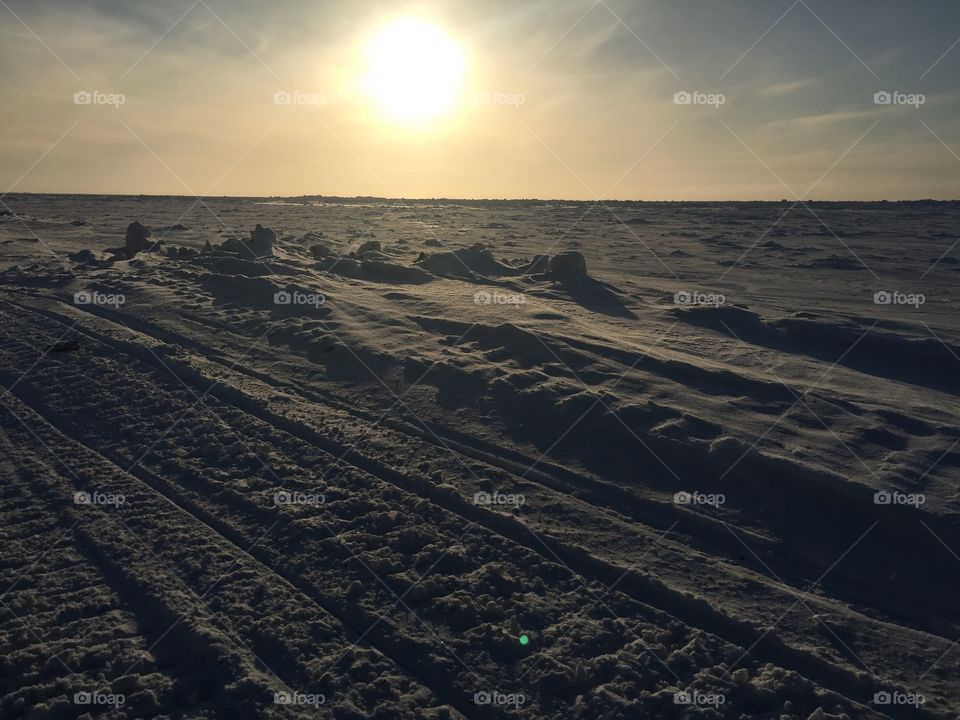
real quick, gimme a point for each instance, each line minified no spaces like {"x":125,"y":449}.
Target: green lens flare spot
{"x":524,"y":640}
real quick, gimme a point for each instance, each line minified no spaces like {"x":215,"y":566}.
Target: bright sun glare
{"x":415,"y":72}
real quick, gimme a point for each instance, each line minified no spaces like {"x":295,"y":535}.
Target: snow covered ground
{"x":715,"y":478}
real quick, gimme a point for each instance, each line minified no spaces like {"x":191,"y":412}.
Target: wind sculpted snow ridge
{"x":436,"y":476}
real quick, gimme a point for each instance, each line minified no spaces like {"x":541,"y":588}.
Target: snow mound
{"x":568,"y":264}
{"x":393,"y":272}
{"x":466,"y":263}
{"x":261,"y":244}
{"x":369,"y":246}
{"x":137,"y":239}
{"x":83,"y":257}
{"x":321,"y":251}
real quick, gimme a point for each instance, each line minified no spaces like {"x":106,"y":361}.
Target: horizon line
{"x":368,"y":198}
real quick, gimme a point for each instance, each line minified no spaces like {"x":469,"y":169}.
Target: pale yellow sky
{"x":558,"y":99}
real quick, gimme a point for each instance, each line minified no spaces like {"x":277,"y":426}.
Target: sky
{"x":573,"y":99}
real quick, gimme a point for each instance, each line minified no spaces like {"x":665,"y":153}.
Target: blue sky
{"x":784,"y":99}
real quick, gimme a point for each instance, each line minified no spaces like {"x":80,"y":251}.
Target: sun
{"x":415,"y":72}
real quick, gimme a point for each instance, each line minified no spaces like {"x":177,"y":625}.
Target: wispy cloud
{"x":789,"y":86}
{"x":824,"y":120}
